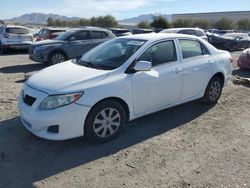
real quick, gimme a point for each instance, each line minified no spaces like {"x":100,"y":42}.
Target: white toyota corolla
{"x":121,"y":80}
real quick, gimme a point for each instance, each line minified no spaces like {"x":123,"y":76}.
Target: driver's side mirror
{"x":143,"y":66}
{"x":72,"y":39}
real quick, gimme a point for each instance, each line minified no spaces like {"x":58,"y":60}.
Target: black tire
{"x":2,"y":49}
{"x":213,"y":91}
{"x":232,"y":48}
{"x":57,"y":57}
{"x":103,"y":125}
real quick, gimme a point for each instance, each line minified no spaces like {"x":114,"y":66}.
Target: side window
{"x":160,"y":53}
{"x":192,"y":48}
{"x":187,"y":32}
{"x":104,"y":35}
{"x":199,"y":33}
{"x":1,"y":30}
{"x":96,"y":35}
{"x":83,"y":35}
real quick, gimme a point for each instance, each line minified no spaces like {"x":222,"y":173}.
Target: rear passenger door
{"x":197,"y":67}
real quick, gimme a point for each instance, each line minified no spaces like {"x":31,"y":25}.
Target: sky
{"x":119,"y":8}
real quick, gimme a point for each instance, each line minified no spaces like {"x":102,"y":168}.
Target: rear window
{"x":14,"y":30}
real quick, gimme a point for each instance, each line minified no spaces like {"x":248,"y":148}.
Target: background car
{"x":121,"y":80}
{"x":243,"y":40}
{"x":142,"y":31}
{"x":188,"y":31}
{"x":244,"y":59}
{"x":48,"y":33}
{"x":68,"y":45}
{"x":229,"y":41}
{"x":120,"y":32}
{"x":15,"y":37}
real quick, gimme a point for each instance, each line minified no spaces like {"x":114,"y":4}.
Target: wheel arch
{"x":57,"y":50}
{"x":220,"y":75}
{"x":120,"y":101}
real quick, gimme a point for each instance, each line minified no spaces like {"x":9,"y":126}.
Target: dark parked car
{"x":120,"y":32}
{"x":48,"y":33}
{"x":188,"y":31}
{"x":244,"y":59}
{"x":229,"y":41}
{"x":142,"y":31}
{"x":68,"y":45}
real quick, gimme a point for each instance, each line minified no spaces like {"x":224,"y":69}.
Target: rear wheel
{"x":105,"y":121}
{"x":57,"y":57}
{"x":213,"y":90}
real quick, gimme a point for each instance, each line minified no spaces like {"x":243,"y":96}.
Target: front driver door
{"x":162,"y":85}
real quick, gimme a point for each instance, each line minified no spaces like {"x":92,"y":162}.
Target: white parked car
{"x":14,"y":37}
{"x":119,"y":81}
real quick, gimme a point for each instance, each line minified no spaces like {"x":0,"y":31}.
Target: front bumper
{"x":37,"y":56}
{"x":70,"y":119}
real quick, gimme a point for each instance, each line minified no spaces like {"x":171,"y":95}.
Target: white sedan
{"x":119,"y":81}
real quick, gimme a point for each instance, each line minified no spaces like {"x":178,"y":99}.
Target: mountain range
{"x":41,"y":18}
{"x":37,"y":18}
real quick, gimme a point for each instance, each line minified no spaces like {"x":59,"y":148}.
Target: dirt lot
{"x":191,"y":145}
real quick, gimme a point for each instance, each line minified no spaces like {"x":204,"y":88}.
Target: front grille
{"x":28,"y":99}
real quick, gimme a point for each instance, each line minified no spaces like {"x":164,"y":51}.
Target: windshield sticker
{"x":136,"y":43}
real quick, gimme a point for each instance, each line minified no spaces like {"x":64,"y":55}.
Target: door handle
{"x":210,"y":62}
{"x":177,"y":70}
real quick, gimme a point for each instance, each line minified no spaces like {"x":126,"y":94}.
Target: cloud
{"x":90,"y":8}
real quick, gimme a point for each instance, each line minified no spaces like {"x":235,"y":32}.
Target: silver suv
{"x":14,"y":37}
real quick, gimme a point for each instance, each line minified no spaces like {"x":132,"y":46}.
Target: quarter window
{"x":160,"y":53}
{"x":192,"y":48}
{"x":96,"y":35}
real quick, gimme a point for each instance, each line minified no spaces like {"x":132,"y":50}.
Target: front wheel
{"x":105,"y":121}
{"x":57,"y":57}
{"x":213,"y":90}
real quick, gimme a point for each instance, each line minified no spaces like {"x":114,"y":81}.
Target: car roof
{"x":159,"y":36}
{"x":182,"y":28}
{"x":15,"y":26}
{"x":90,"y":29}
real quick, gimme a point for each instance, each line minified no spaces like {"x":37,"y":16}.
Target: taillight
{"x":6,"y":35}
{"x":231,"y":60}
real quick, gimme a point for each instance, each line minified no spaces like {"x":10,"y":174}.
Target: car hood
{"x":48,"y":42}
{"x":66,"y":77}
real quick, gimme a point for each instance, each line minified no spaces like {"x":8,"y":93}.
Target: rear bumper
{"x":23,"y":45}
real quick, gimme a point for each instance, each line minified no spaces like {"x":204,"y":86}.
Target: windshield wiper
{"x":88,"y":64}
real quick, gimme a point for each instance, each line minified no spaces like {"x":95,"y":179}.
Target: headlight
{"x":56,"y":101}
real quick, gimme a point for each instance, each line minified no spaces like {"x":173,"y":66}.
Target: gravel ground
{"x":190,"y":145}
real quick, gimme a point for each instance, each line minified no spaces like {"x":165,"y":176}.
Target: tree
{"x":1,"y":22}
{"x":143,"y":25}
{"x":224,"y":24}
{"x":244,"y":24}
{"x":182,"y":23}
{"x":160,"y":22}
{"x":204,"y":24}
{"x":50,"y":22}
{"x":109,"y":21}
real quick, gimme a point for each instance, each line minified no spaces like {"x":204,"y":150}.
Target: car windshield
{"x":112,"y":54}
{"x":64,"y":36}
{"x":16,"y":30}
